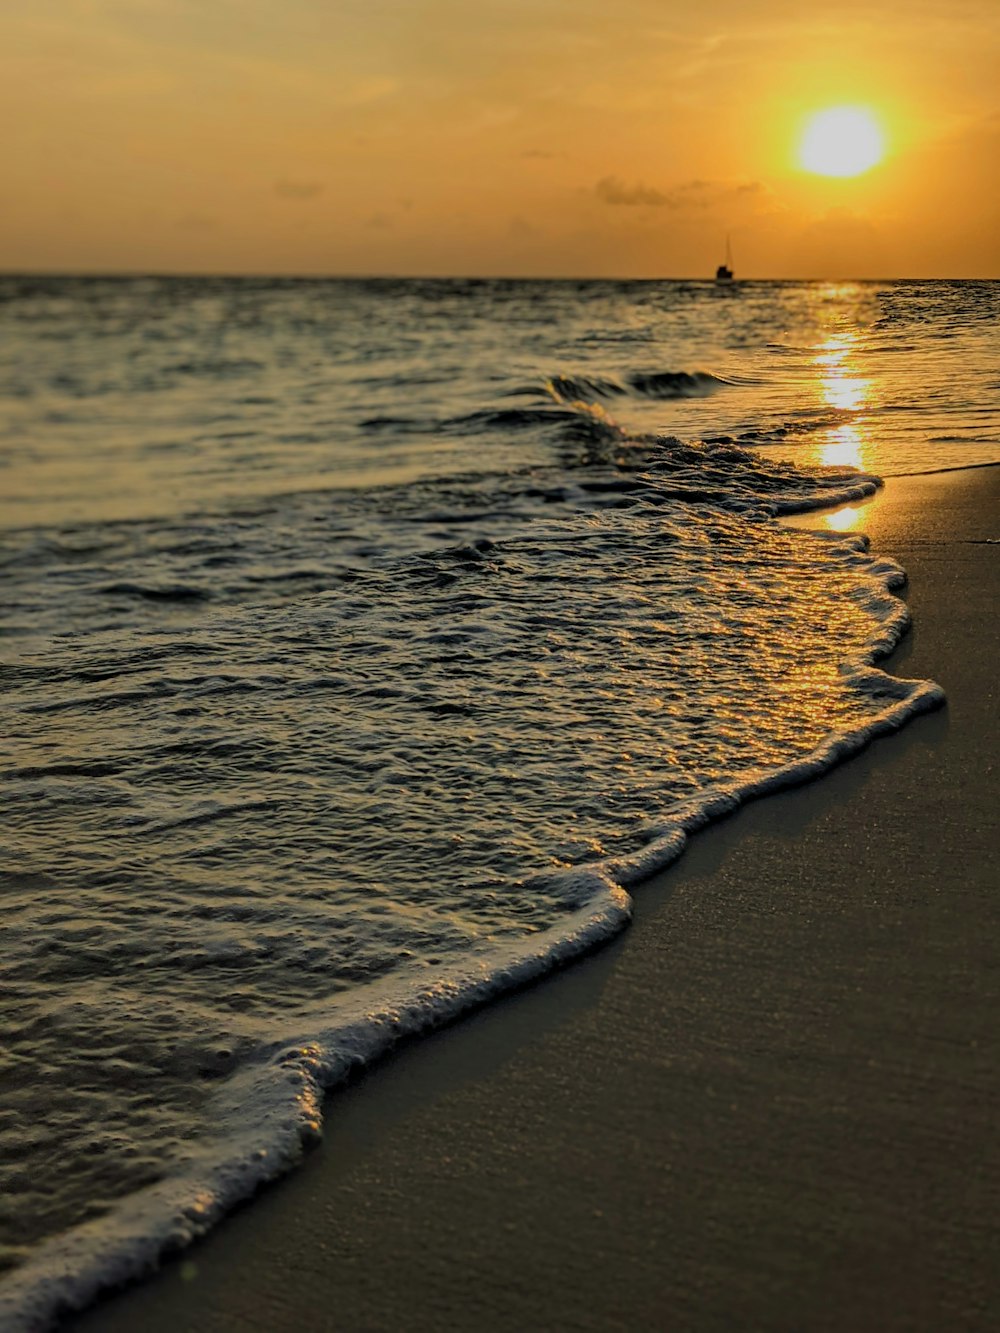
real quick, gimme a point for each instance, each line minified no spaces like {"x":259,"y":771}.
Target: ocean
{"x":365,"y":644}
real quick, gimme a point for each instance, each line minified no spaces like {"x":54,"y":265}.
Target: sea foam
{"x":426,"y":790}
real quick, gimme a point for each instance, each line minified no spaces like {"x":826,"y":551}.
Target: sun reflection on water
{"x":844,"y":388}
{"x":847,"y":394}
{"x":843,"y":446}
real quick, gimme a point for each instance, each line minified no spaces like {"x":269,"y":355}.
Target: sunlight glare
{"x":841,"y":386}
{"x":844,"y":520}
{"x":843,"y":447}
{"x":844,"y":393}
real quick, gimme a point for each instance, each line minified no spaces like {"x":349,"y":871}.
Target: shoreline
{"x":585,"y":1106}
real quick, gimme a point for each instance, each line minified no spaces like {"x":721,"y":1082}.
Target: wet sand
{"x":771,"y":1104}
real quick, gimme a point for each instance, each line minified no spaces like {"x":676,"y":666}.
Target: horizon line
{"x":447,"y":277}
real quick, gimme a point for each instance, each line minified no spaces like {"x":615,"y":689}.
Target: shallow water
{"x":365,"y":641}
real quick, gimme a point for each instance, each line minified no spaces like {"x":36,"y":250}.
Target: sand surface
{"x":771,"y":1104}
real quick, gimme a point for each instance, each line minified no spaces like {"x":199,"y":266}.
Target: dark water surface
{"x":365,"y":641}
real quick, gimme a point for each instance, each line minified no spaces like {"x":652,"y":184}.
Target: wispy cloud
{"x":289,"y":189}
{"x":615,"y":191}
{"x":693,"y":194}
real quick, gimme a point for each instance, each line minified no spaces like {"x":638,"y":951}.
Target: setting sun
{"x":842,"y":141}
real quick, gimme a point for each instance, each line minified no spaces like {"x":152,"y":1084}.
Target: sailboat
{"x":724,"y":273}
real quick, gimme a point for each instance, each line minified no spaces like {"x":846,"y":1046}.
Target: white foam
{"x":272,"y":1109}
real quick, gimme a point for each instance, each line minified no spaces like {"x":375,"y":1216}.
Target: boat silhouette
{"x":724,"y":273}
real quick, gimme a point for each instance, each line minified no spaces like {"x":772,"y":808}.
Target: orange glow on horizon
{"x":478,"y":140}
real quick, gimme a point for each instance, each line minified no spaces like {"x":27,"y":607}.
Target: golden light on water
{"x":841,"y":141}
{"x":843,"y":447}
{"x":842,"y":387}
{"x":846,"y":394}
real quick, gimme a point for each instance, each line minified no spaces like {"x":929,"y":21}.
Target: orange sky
{"x":535,"y":137}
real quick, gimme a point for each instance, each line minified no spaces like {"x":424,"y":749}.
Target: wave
{"x":677,"y":383}
{"x":574,"y":418}
{"x":659,"y":384}
{"x":507,"y":418}
{"x":572,"y":405}
{"x":271,"y":1111}
{"x":268,"y":1086}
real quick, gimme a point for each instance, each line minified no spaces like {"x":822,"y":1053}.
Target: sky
{"x":495,"y":137}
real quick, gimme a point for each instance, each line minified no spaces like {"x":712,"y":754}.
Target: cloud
{"x":289,"y":189}
{"x":542,"y":154}
{"x":380,"y":222}
{"x":614,"y":191}
{"x":693,"y":194}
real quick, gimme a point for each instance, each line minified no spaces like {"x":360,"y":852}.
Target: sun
{"x":842,"y":141}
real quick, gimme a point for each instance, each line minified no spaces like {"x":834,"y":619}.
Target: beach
{"x":768,"y":1104}
{"x":481,"y":847}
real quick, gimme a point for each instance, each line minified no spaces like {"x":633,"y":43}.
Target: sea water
{"x":365,"y":642}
